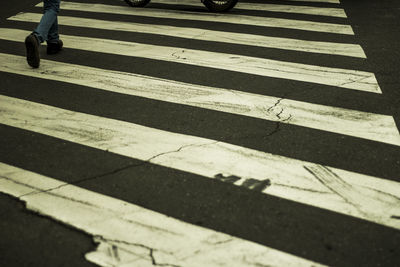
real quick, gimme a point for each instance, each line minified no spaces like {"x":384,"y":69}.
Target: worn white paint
{"x":350,"y":193}
{"x":308,"y":10}
{"x":377,"y":127}
{"x":129,"y":235}
{"x":331,"y":48}
{"x":343,"y":78}
{"x":320,"y":1}
{"x":212,"y":17}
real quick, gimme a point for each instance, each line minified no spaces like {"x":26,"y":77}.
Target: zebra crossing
{"x":130,"y":235}
{"x":345,"y":49}
{"x":215,"y":17}
{"x":348,"y":79}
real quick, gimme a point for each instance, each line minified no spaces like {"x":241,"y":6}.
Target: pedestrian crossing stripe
{"x":345,"y":192}
{"x":212,"y":17}
{"x":377,"y":127}
{"x":134,"y":235}
{"x":343,"y":78}
{"x":308,"y":10}
{"x":331,"y":48}
{"x":317,"y":1}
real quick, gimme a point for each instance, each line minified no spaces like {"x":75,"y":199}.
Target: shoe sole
{"x":32,"y":52}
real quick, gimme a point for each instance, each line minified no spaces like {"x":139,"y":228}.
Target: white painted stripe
{"x":129,"y":235}
{"x":321,"y":11}
{"x":213,"y":17}
{"x":350,"y":193}
{"x":308,"y":10}
{"x":343,"y":49}
{"x":343,"y":78}
{"x":319,"y":1}
{"x":381,"y":128}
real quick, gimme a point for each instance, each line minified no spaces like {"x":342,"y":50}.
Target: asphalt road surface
{"x":291,"y":109}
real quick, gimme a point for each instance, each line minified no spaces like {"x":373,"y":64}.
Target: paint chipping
{"x":250,"y":183}
{"x":175,"y":54}
{"x":227,"y":179}
{"x":122,"y":253}
{"x":153,"y":260}
{"x":256,"y":185}
{"x":113,"y":252}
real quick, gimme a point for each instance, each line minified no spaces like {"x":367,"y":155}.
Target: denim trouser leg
{"x":53,"y":36}
{"x":47,"y":30}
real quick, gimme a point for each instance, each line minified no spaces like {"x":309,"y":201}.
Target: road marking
{"x":345,"y":192}
{"x":377,"y":127}
{"x":351,"y":50}
{"x":129,"y":234}
{"x":213,"y":17}
{"x":308,"y":10}
{"x":343,"y":78}
{"x":319,"y":1}
{"x":321,"y":11}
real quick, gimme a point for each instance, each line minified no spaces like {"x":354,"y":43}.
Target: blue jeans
{"x":47,"y":30}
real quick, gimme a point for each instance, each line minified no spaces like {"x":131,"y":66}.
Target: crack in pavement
{"x":84,"y":179}
{"x":180,"y":149}
{"x":278,"y":115}
{"x":101,"y":239}
{"x":38,"y":191}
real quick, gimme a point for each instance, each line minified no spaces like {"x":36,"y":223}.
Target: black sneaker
{"x":32,"y":51}
{"x":54,"y":47}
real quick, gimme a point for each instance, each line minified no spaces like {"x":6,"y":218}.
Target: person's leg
{"x":53,"y":36}
{"x":48,"y":24}
{"x":41,"y":33}
{"x":54,"y":43}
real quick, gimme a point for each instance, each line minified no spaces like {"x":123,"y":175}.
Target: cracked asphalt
{"x":27,"y":239}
